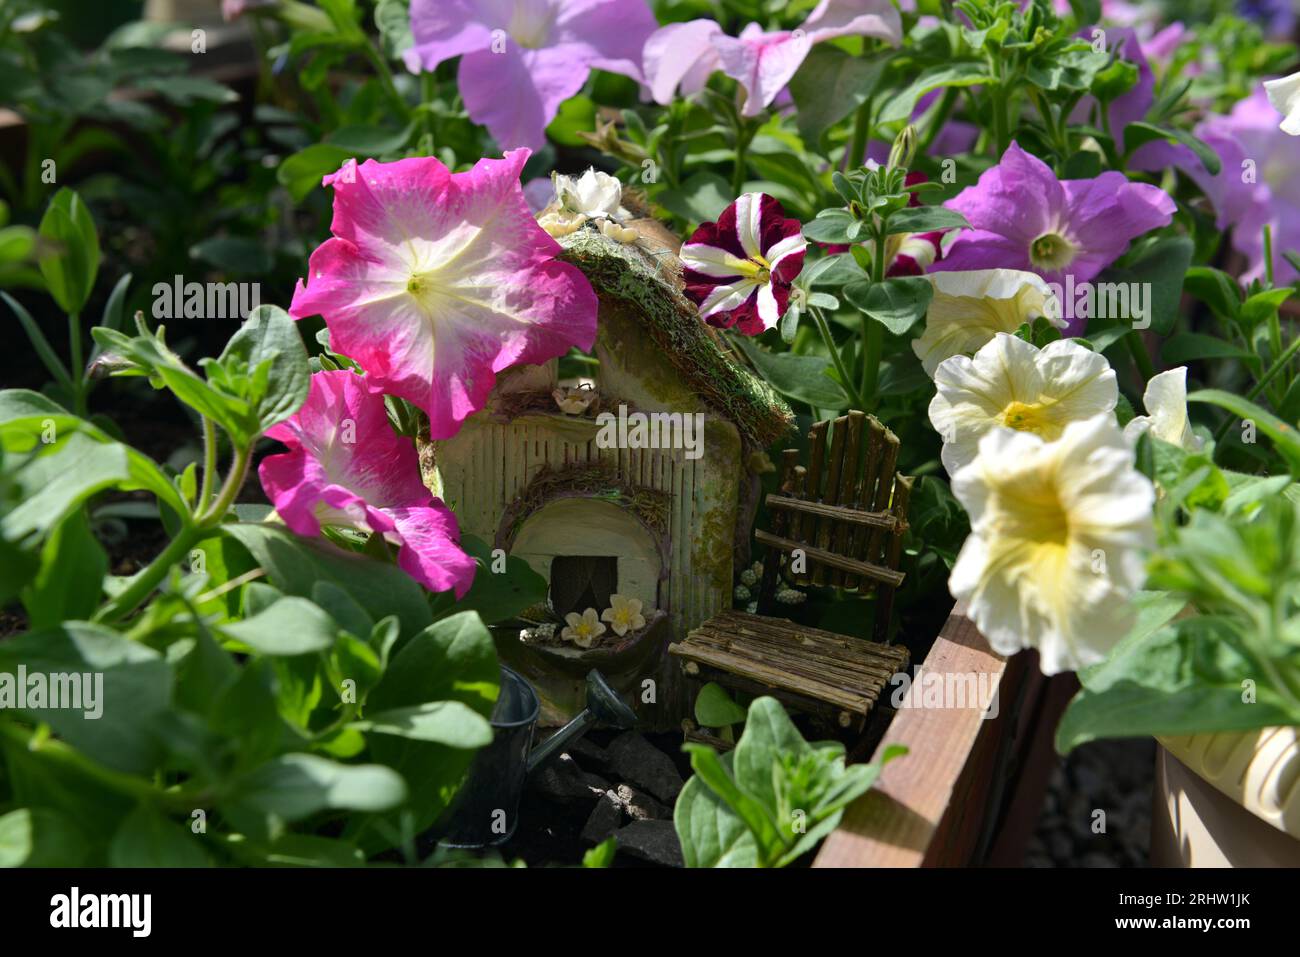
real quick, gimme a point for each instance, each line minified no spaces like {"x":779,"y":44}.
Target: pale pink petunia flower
{"x":683,"y":55}
{"x":434,"y":282}
{"x":520,"y":59}
{"x":347,"y":468}
{"x":739,"y":269}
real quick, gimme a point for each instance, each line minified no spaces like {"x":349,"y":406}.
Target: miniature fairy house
{"x":645,"y":487}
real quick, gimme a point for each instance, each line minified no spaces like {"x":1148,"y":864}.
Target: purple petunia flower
{"x":739,"y":269}
{"x":520,"y":59}
{"x":1023,"y":217}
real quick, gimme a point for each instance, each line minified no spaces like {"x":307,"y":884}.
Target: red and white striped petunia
{"x":739,"y":269}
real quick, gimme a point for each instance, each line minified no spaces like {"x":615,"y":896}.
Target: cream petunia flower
{"x":624,"y":615}
{"x":584,"y":629}
{"x":593,"y":196}
{"x":1012,"y":383}
{"x":1284,"y":94}
{"x":1165,"y":400}
{"x":1058,"y":531}
{"x":969,"y":308}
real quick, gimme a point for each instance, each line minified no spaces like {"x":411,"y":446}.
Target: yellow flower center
{"x":757,"y":269}
{"x":1026,"y":417}
{"x":1052,"y":251}
{"x":530,"y":24}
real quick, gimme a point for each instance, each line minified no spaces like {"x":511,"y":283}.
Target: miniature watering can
{"x":486,"y":810}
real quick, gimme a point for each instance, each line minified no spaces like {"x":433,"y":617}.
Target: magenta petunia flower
{"x":739,"y":269}
{"x":683,"y":55}
{"x":346,"y":467}
{"x":520,"y":59}
{"x":1025,"y":218}
{"x":434,"y":281}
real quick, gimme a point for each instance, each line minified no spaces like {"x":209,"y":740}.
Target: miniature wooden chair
{"x":838,"y":522}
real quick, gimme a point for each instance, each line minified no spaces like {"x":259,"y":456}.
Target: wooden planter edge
{"x":939,"y":804}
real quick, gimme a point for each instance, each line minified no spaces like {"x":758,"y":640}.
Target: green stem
{"x":209,"y":466}
{"x":857,"y":151}
{"x":230,"y":489}
{"x":386,"y":81}
{"x":1278,"y":365}
{"x":148,"y":578}
{"x":846,"y":380}
{"x":78,"y":363}
{"x":1137,"y":348}
{"x":940,"y":118}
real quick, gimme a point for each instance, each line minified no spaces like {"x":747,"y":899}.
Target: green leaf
{"x":40,"y":837}
{"x":897,"y":304}
{"x":803,"y":378}
{"x":295,"y":786}
{"x":1187,"y":347}
{"x":757,"y":817}
{"x":147,"y":839}
{"x":701,"y":198}
{"x":1183,"y":679}
{"x":1263,"y":305}
{"x":714,"y":708}
{"x":444,"y":722}
{"x":602,"y":855}
{"x":1284,"y":436}
{"x":452,"y":660}
{"x":303,"y":171}
{"x":959,"y":74}
{"x":70,"y":260}
{"x":295,"y":565}
{"x":1215,"y":288}
{"x":128,"y":688}
{"x":1136,"y":134}
{"x":769,"y":736}
{"x":291,"y":626}
{"x":710,"y":832}
{"x":498,"y":596}
{"x":1163,"y":264}
{"x":831,"y":84}
{"x":369,"y":140}
{"x":70,"y":580}
{"x":240,"y":255}
{"x":269,"y":339}
{"x":830,"y":226}
{"x":925,"y":219}
{"x":49,"y":358}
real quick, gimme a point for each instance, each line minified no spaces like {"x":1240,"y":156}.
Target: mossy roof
{"x":647,"y":281}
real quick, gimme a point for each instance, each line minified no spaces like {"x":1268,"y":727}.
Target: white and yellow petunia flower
{"x":1013,"y":383}
{"x":1165,"y":401}
{"x":1284,"y":94}
{"x":1058,"y":532}
{"x":970,"y":307}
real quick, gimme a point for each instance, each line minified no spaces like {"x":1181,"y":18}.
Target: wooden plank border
{"x":928,"y":807}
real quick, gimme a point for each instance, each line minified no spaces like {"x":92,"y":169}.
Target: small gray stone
{"x":653,"y":841}
{"x":632,"y":758}
{"x":605,"y":817}
{"x":641,"y":806}
{"x":562,"y":780}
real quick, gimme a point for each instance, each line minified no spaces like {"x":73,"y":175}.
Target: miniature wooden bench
{"x":840,"y":522}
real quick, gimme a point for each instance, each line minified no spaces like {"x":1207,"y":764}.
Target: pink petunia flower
{"x":520,"y":59}
{"x":434,"y":281}
{"x":1025,"y":218}
{"x":739,"y":269}
{"x":683,"y":55}
{"x":346,"y":467}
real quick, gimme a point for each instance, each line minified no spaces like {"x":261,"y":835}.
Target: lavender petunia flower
{"x":520,"y":59}
{"x":1025,"y":218}
{"x":1255,"y":186}
{"x":683,"y":55}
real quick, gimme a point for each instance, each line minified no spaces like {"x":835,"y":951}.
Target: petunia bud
{"x":904,"y":148}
